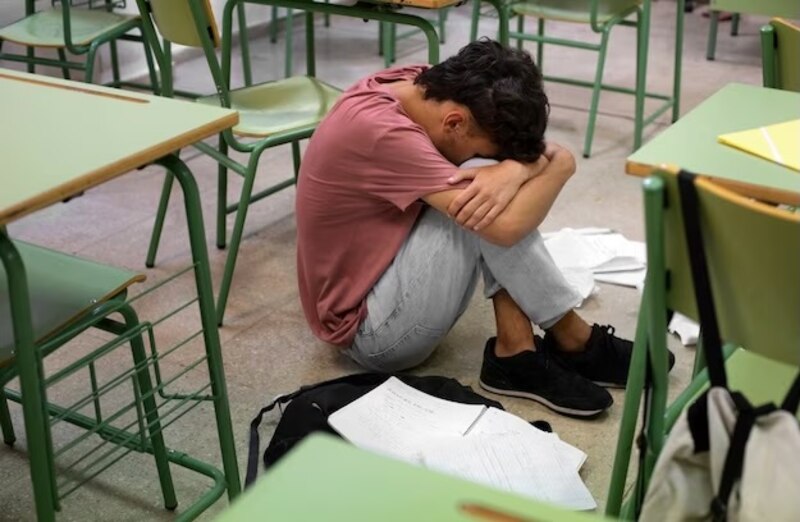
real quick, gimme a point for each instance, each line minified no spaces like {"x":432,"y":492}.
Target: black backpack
{"x":308,"y":409}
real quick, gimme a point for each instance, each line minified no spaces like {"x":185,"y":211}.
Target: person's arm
{"x":527,"y":207}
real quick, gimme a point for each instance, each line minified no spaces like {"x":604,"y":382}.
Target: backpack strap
{"x":254,"y":444}
{"x":712,"y":345}
{"x":734,"y":460}
{"x":791,"y":402}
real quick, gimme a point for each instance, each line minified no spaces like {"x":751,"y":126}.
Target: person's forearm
{"x":531,"y":204}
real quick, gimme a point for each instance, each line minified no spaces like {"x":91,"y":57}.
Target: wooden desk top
{"x":326,"y":479}
{"x":60,"y":137}
{"x":691,"y":142}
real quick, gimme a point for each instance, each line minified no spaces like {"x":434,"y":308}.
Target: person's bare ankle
{"x":512,"y":347}
{"x":571,"y":332}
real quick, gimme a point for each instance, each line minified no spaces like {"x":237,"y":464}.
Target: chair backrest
{"x":753,"y":252}
{"x":190,"y":23}
{"x":176,"y":21}
{"x":780,"y":52}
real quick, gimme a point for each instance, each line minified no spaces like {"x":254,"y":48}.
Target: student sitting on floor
{"x":392,"y":234}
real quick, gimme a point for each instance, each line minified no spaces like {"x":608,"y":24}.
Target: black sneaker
{"x":605,"y":361}
{"x":537,"y":376}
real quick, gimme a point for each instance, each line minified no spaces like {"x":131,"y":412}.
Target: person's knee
{"x":410,"y":350}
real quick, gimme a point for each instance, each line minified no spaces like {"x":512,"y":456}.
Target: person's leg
{"x":525,"y":285}
{"x":514,"y":329}
{"x":419,"y":297}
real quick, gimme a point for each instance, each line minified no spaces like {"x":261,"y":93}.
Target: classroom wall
{"x":131,"y":54}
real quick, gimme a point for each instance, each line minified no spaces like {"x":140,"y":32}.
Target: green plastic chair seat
{"x":280,"y":106}
{"x":758,"y":378}
{"x":62,"y":288}
{"x":46,"y":28}
{"x":578,"y":11}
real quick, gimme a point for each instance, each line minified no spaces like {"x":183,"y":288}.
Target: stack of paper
{"x":481,"y":444}
{"x":598,"y":253}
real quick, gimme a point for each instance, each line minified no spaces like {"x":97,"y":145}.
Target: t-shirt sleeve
{"x":407,"y":167}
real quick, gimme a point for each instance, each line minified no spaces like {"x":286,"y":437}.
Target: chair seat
{"x":281,"y":106}
{"x":62,"y":288}
{"x":578,"y":11}
{"x":46,"y":28}
{"x":760,"y":379}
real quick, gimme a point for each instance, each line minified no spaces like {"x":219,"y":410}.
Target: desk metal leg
{"x":30,"y":378}
{"x":194,"y":216}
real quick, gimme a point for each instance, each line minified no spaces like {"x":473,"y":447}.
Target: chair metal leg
{"x":151,"y":413}
{"x":289,"y":66}
{"x":236,"y":236}
{"x":442,"y":25}
{"x":62,"y":55}
{"x":476,"y":17}
{"x":712,"y":35}
{"x":520,"y":29}
{"x":296,"y":158}
{"x":386,"y":42}
{"x":90,"y":59}
{"x":642,"y":45}
{"x":222,"y":196}
{"x":37,"y":428}
{"x":630,"y":413}
{"x":735,"y":24}
{"x":598,"y":84}
{"x":6,"y":426}
{"x":244,"y":45}
{"x":273,"y":25}
{"x":540,"y":45}
{"x":112,"y":46}
{"x":158,"y":226}
{"x":678,"y":64}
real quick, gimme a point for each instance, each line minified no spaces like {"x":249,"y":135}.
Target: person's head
{"x":506,"y":107}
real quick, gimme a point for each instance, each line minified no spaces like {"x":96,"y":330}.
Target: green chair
{"x":780,"y":55}
{"x":784,"y":8}
{"x":753,"y":252}
{"x":68,"y":296}
{"x":601,"y":16}
{"x":271,"y":114}
{"x":77,"y":30}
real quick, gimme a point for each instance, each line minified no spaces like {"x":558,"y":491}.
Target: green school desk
{"x":691,"y":142}
{"x":327,"y":479}
{"x":381,"y":10}
{"x":61,"y":137}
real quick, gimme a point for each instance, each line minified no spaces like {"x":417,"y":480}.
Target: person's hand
{"x":490,"y":191}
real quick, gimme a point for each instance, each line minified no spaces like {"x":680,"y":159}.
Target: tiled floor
{"x":267,"y":347}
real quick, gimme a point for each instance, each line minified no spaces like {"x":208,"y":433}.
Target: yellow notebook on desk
{"x":779,"y":143}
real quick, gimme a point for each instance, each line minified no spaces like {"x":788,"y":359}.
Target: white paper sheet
{"x":397,"y":420}
{"x":687,"y":330}
{"x":512,"y":462}
{"x":499,"y":422}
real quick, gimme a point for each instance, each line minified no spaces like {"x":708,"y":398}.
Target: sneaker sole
{"x":538,"y":398}
{"x":610,"y":385}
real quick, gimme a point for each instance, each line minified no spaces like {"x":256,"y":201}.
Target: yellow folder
{"x":779,"y":143}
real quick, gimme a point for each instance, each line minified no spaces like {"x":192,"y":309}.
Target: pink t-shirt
{"x":358,"y":195}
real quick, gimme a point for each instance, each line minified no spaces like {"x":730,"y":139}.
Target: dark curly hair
{"x":502,"y":88}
